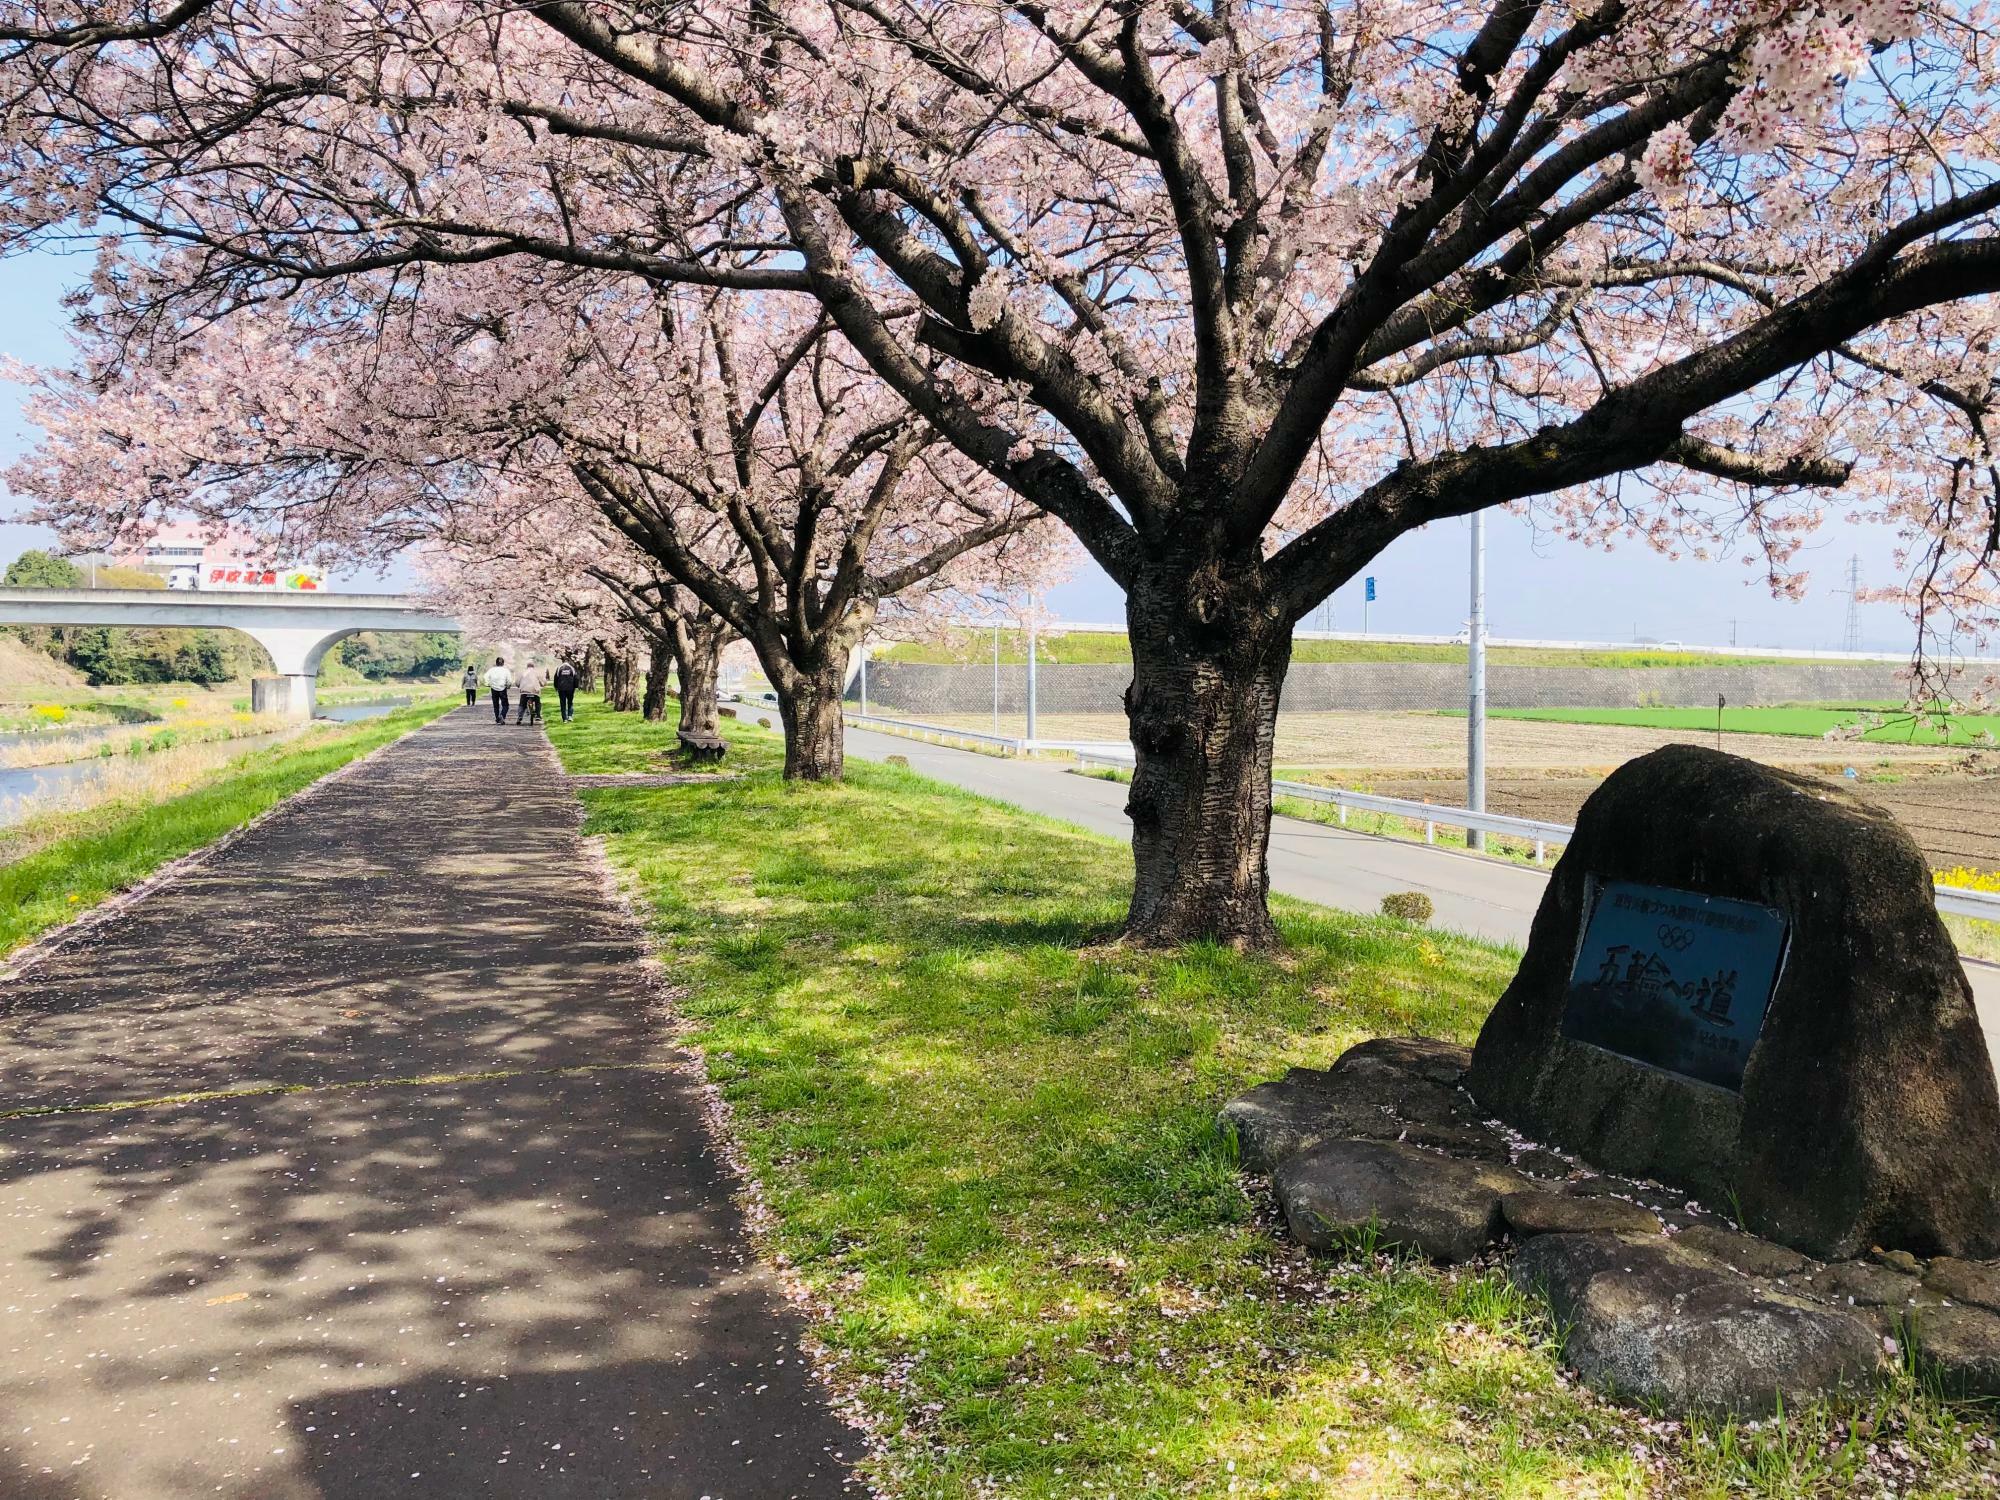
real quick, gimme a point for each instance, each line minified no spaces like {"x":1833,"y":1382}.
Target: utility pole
{"x":1031,"y":668}
{"x":1475,"y":671}
{"x":996,"y":677}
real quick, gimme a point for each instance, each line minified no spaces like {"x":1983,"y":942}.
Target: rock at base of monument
{"x":1539,"y":1163}
{"x":1698,"y":1316}
{"x":1724,"y":1347}
{"x":1398,"y":1088}
{"x":1743,"y":1252}
{"x":1976,"y":1282}
{"x":1418,"y":1056}
{"x":1960,"y":1348}
{"x":1538,"y":1211}
{"x":1279,"y":1119}
{"x":1343,"y":1192}
{"x":1861,"y":1284}
{"x":1560,"y":1267}
{"x":1865,"y":1109}
{"x":1648,"y":1323}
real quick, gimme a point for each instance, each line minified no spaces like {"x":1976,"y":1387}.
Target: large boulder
{"x":1866,"y":1112}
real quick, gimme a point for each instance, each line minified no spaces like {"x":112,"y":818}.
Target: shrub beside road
{"x":985,"y":1132}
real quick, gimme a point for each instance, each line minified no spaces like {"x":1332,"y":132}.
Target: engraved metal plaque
{"x":1674,"y":979}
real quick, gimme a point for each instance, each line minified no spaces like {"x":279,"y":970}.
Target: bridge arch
{"x":296,"y":630}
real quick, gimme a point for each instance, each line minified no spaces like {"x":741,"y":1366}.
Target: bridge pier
{"x":296,"y":653}
{"x":290,"y":697}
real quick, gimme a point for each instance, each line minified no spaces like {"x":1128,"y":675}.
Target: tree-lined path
{"x":441,"y":1218}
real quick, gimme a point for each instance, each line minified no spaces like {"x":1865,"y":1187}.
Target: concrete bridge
{"x":296,"y":629}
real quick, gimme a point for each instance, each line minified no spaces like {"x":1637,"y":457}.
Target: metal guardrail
{"x":933,"y":731}
{"x":1007,"y":743}
{"x":1960,"y":902}
{"x":1955,"y":900}
{"x":1529,"y":830}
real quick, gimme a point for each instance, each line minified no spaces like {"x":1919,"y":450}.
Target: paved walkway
{"x":1485,"y":898}
{"x":470,"y":1240}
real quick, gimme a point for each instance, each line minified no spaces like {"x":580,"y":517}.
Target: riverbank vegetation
{"x":984,"y":1129}
{"x":54,"y":867}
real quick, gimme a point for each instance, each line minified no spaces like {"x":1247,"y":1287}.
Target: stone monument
{"x":1737,"y":1001}
{"x":1738,"y":984}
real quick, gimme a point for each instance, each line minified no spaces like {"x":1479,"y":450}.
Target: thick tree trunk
{"x":657,"y":663}
{"x":621,"y":686}
{"x":700,"y":669}
{"x":586,"y":670}
{"x":1203,"y":709}
{"x":815,"y":732}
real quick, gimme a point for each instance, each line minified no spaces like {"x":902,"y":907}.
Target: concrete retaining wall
{"x":1312,"y":687}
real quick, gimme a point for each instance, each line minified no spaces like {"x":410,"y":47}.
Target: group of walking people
{"x":506,"y":687}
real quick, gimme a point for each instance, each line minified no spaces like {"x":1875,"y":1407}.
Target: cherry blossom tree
{"x":835,"y":503}
{"x":1239,"y":293}
{"x":753,"y":476}
{"x":557,"y":580}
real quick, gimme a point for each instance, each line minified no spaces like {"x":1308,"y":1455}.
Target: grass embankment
{"x":53,"y":868}
{"x":1107,"y":648}
{"x":985,"y":1131}
{"x":1881,"y":723}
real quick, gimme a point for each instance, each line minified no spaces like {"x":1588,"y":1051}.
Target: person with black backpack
{"x":566,"y":680}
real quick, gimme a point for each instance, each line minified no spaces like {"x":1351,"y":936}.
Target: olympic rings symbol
{"x":1675,"y":939}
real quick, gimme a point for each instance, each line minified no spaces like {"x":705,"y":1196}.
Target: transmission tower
{"x":1851,"y":641}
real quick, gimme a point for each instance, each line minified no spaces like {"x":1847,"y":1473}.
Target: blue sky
{"x":1538,"y":586}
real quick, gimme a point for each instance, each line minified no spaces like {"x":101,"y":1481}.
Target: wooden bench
{"x":702,"y":746}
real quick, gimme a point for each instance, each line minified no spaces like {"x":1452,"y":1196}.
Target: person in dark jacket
{"x":565,"y":681}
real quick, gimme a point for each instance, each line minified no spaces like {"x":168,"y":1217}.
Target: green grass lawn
{"x":1888,"y":725}
{"x":985,"y":1132}
{"x":1102,"y":648}
{"x":55,"y":868}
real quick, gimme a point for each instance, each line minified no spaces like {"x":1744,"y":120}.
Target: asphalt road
{"x":1317,"y":862}
{"x":458,"y":1232}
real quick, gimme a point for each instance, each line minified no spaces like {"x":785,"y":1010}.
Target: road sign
{"x":1371,"y":591}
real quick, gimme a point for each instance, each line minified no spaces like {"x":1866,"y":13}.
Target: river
{"x":366,"y":708}
{"x":23,"y":788}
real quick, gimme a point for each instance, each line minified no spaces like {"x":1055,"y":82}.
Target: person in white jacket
{"x":498,"y":681}
{"x":529,"y":683}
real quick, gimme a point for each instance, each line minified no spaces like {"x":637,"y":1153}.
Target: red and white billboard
{"x":261,"y":580}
